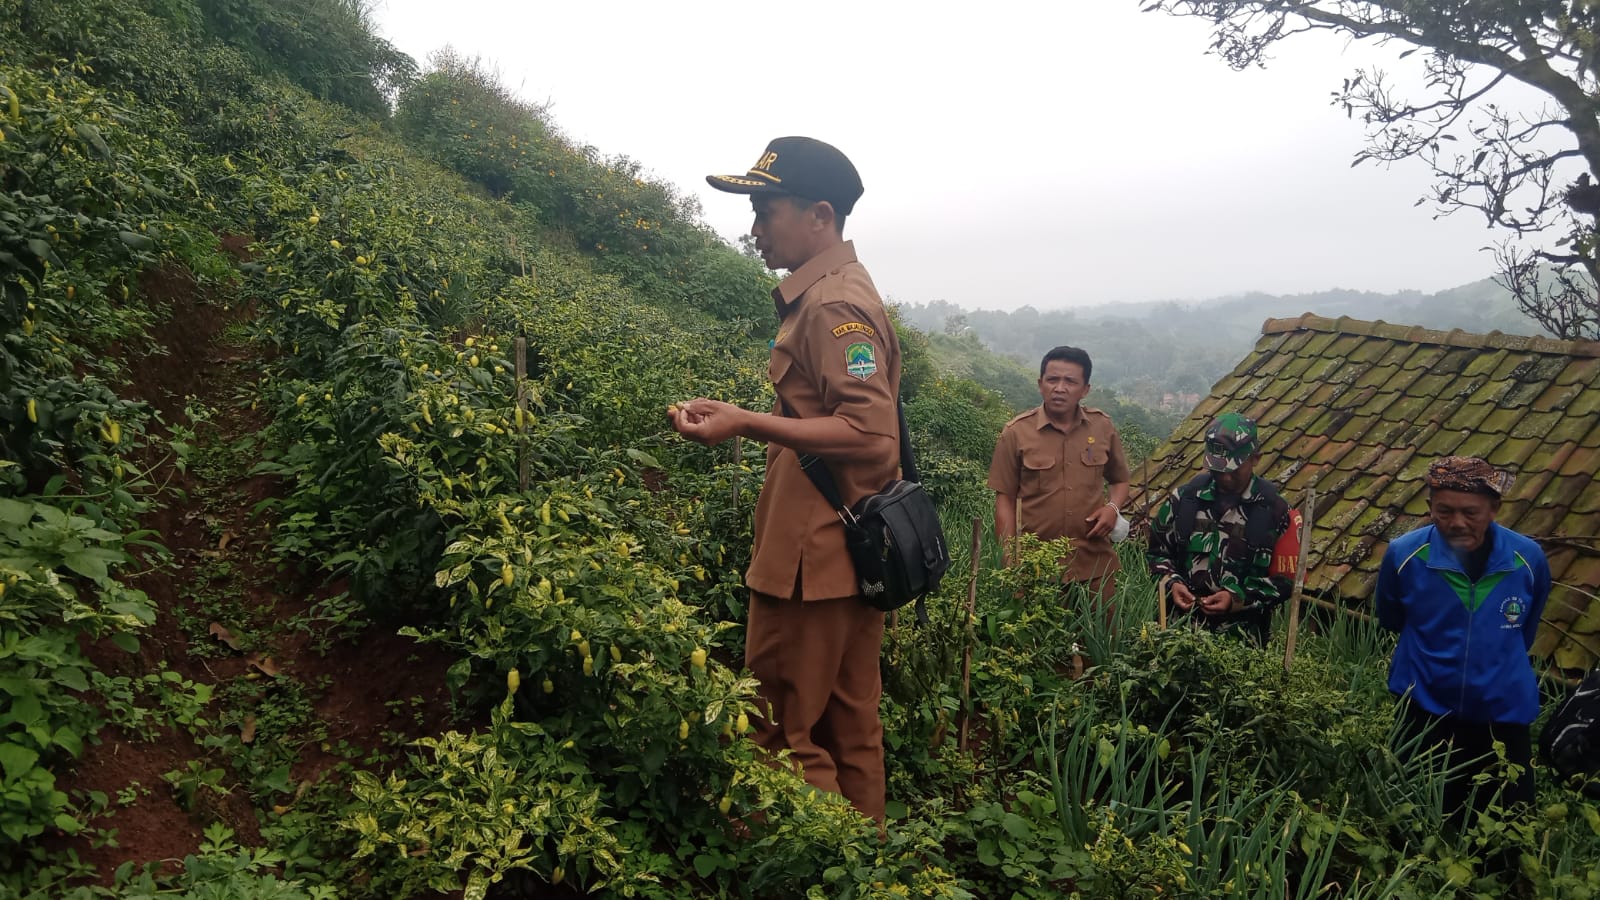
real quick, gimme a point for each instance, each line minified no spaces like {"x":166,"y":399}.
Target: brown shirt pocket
{"x":1036,"y":469}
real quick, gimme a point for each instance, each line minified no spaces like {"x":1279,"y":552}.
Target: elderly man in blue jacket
{"x":1465,"y":596}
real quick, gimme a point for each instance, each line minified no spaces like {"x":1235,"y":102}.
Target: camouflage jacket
{"x":1215,"y":554}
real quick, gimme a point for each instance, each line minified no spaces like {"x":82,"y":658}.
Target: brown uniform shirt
{"x":835,"y":355}
{"x":1061,"y":477}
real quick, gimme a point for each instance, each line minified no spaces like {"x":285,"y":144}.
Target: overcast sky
{"x":1056,"y":154}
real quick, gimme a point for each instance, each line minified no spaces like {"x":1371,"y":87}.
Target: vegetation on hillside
{"x":576,"y":567}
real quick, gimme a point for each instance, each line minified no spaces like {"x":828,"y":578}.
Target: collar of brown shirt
{"x":791,"y":289}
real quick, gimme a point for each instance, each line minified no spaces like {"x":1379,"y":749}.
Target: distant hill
{"x":1154,"y":354}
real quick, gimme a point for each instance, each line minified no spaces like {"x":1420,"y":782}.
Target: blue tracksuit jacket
{"x":1464,"y":645}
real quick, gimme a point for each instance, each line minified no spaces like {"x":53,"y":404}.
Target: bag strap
{"x":818,"y":471}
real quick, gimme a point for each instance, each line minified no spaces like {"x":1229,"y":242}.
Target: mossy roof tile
{"x":1305,"y":476}
{"x":1559,"y":396}
{"x":1418,"y":410}
{"x":1582,"y":459}
{"x":1424,"y":357}
{"x":1402,"y":380}
{"x":1365,"y":458}
{"x":1485,"y":363}
{"x":1498,"y":421}
{"x":1317,"y":345}
{"x":1522,"y":393}
{"x":1368,"y":351}
{"x":1301,"y":419}
{"x":1466,"y":417}
{"x":1377,"y":377}
{"x":1430,"y":386}
{"x":1584,"y":372}
{"x":1583,"y":571}
{"x":1371,"y":403}
{"x":1547,"y":368}
{"x":1354,"y":427}
{"x":1592,"y":437}
{"x":1539,"y":522}
{"x":1354,"y":584}
{"x":1585,"y":404}
{"x":1512,"y":367}
{"x":1503,"y":451}
{"x":1456,"y":361}
{"x":1332,"y":451}
{"x":1538,"y":425}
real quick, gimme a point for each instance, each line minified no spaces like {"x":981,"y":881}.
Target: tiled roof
{"x":1356,"y":410}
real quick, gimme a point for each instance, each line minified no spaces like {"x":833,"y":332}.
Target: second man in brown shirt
{"x":1059,"y":471}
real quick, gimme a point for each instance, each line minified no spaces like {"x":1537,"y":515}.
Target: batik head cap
{"x":1469,"y":474}
{"x":1230,"y":440}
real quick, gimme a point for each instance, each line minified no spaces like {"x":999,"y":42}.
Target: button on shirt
{"x":1060,"y":476}
{"x":836,"y":354}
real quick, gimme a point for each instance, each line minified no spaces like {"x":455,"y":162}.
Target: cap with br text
{"x":1230,"y":440}
{"x":801,"y":166}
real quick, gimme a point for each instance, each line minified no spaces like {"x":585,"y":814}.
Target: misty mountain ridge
{"x":1161,"y":352}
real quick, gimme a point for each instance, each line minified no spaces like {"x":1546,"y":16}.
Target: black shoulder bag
{"x":894,"y":537}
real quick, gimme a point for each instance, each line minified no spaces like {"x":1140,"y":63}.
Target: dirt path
{"x":298,"y":691}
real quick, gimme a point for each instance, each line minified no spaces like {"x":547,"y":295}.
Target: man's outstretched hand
{"x":706,"y":421}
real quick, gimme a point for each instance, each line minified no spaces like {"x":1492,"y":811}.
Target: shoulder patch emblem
{"x":854,"y":327}
{"x":861,"y":360}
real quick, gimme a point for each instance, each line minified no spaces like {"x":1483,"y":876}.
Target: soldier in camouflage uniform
{"x":1213,"y":542}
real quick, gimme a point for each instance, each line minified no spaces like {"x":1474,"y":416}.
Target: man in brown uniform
{"x":1057,"y":459}
{"x":811,"y":640}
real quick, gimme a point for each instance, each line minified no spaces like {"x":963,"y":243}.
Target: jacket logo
{"x":1514,"y":608}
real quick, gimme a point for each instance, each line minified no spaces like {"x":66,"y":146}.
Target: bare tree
{"x":1530,"y":174}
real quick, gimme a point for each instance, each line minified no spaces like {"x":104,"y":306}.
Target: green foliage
{"x":327,"y":47}
{"x":640,"y":230}
{"x":581,"y":564}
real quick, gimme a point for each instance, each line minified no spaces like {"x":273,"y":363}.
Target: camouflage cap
{"x":1230,"y":440}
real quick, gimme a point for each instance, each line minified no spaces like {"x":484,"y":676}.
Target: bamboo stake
{"x":521,"y":362}
{"x":1161,"y":604}
{"x":967,"y":635}
{"x":1300,"y":577}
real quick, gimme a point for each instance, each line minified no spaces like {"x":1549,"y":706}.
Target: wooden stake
{"x":1300,"y":577}
{"x":967,"y":633}
{"x":1161,"y":603}
{"x":1342,"y":610}
{"x":521,"y":362}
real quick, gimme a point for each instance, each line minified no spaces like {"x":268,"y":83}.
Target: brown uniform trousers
{"x":811,"y":642}
{"x":818,"y":666}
